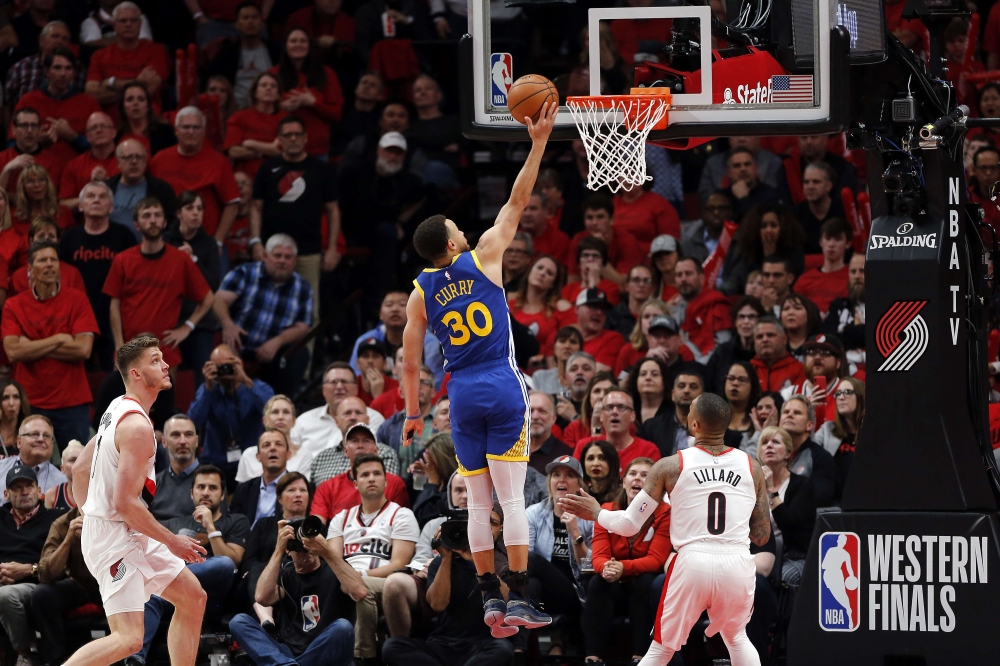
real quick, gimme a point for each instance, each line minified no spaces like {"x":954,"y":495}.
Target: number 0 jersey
{"x":712,"y":499}
{"x":467,"y":313}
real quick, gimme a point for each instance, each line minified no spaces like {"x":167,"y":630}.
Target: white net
{"x":614,"y":132}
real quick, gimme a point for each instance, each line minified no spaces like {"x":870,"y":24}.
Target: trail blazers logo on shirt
{"x":118,"y":570}
{"x":292,"y":186}
{"x":901,"y":336}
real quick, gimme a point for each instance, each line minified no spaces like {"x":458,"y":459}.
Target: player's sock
{"x":522,"y":611}
{"x":489,"y":585}
{"x":517,"y":581}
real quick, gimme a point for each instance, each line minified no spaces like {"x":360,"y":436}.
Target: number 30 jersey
{"x":712,"y":499}
{"x":467,"y":313}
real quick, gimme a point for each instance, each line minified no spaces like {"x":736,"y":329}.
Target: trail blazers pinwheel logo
{"x":901,"y":336}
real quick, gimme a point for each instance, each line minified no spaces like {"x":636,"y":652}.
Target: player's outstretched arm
{"x":760,"y":519}
{"x":132,"y":438}
{"x":495,"y":240}
{"x":413,"y":349}
{"x":81,"y":482}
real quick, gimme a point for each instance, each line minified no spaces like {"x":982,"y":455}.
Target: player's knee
{"x":131,"y":641}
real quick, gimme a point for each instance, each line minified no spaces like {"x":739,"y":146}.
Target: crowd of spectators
{"x":250,"y":202}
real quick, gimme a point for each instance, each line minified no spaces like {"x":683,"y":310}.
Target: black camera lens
{"x":311,"y":527}
{"x":225,"y":370}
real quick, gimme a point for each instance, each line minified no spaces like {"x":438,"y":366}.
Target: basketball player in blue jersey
{"x":463,"y":300}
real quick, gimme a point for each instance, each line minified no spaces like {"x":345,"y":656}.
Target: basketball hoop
{"x":614,"y":129}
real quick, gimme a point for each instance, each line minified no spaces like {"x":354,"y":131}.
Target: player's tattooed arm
{"x":760,"y":519}
{"x":662,"y":477}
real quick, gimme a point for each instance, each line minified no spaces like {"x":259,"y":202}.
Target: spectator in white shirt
{"x":317,"y":429}
{"x":279,"y":414}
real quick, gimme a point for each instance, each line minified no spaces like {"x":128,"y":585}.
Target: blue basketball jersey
{"x":467,"y":313}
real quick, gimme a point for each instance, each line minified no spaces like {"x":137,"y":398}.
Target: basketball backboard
{"x":768,"y":67}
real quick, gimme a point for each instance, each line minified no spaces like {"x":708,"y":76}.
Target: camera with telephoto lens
{"x":225,"y":370}
{"x":454,"y":531}
{"x":305,"y":528}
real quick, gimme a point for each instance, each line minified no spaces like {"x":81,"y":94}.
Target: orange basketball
{"x":528,"y":94}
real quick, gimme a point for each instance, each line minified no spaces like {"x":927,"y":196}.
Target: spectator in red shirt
{"x":617,"y":417}
{"x":99,"y":163}
{"x":128,"y":59}
{"x":64,"y":109}
{"x":702,"y":311}
{"x":624,"y":251}
{"x":148,"y":284}
{"x":828,"y":282}
{"x":775,"y":367}
{"x":372,"y":380}
{"x":214,"y":18}
{"x":544,"y":238}
{"x":36,"y":196}
{"x":45,"y":228}
{"x":48,"y":333}
{"x":252,"y":134}
{"x":311,"y":91}
{"x":340,"y":492}
{"x":591,"y":315}
{"x":663,"y":252}
{"x":190,"y":165}
{"x":136,"y":120}
{"x":27,"y":151}
{"x":592,"y":262}
{"x":13,"y":244}
{"x":325,"y":23}
{"x":537,"y":303}
{"x":645,"y":215}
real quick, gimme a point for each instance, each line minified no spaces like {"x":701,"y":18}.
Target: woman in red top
{"x":252,"y":134}
{"x":13,"y":243}
{"x":312,"y":91}
{"x":624,"y":569}
{"x":36,"y":197}
{"x":638,"y":345}
{"x":580,"y":428}
{"x":238,"y":240}
{"x":136,"y":120}
{"x":45,"y":228}
{"x":645,"y":215}
{"x":537,"y":304}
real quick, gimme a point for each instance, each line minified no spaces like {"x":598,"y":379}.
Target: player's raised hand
{"x":540,"y":129}
{"x":412,"y":427}
{"x":582,"y":505}
{"x":187,"y":549}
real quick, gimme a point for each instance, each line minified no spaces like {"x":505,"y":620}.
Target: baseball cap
{"x":824,"y":341}
{"x":392,"y":140}
{"x":664,"y":321}
{"x":360,"y":426}
{"x":566,"y":461}
{"x":21,"y":472}
{"x":592,"y":297}
{"x":371,"y":343}
{"x":663,"y":243}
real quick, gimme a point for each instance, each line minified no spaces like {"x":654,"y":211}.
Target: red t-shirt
{"x":995,"y":418}
{"x":543,"y":326}
{"x":821,"y":288}
{"x":79,"y":172}
{"x":389,"y":403}
{"x":552,"y":242}
{"x":328,"y":108}
{"x":336,"y":494}
{"x":604,"y":347}
{"x":251,"y":124}
{"x":151,"y":292}
{"x":53,"y":160}
{"x":222,"y":10}
{"x":639,"y":448}
{"x":115,"y":61}
{"x":238,"y":239}
{"x":623,"y":253}
{"x":629,"y":356}
{"x":785,"y":372}
{"x":69,"y":278}
{"x":610,"y":289}
{"x":64,"y":218}
{"x":206,"y":172}
{"x":13,"y":249}
{"x":52,"y":384}
{"x":646,"y":218}
{"x":391,"y":384}
{"x":340,"y":26}
{"x":75,"y":109}
{"x":991,"y":36}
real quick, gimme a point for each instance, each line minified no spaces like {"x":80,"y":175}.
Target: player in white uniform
{"x":718,"y":506}
{"x":130,"y":554}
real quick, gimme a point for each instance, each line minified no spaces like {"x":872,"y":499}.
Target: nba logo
{"x":839,"y":581}
{"x":310,"y":612}
{"x":501,"y":76}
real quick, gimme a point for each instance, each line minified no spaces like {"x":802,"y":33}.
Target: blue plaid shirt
{"x":264,"y":309}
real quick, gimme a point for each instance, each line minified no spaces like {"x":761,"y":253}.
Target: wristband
{"x":364,"y":573}
{"x":413,"y":418}
{"x":255,"y":239}
{"x":189,"y":324}
{"x":198,"y":15}
{"x":214,"y":534}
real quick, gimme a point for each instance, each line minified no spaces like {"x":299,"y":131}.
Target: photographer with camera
{"x":228,"y":410}
{"x":458,"y":637}
{"x":315,"y":616}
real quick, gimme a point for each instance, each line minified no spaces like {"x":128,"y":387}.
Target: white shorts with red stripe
{"x":702,"y":576}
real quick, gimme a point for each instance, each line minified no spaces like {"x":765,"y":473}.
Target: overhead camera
{"x":454,"y":531}
{"x":305,"y":528}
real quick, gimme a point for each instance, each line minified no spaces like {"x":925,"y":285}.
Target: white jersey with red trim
{"x":368,"y":539}
{"x":712,"y":499}
{"x":104,"y":466}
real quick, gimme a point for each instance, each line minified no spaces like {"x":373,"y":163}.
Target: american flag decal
{"x":794,"y":88}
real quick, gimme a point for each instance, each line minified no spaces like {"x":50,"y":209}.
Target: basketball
{"x":528,"y":94}
{"x":851,"y":582}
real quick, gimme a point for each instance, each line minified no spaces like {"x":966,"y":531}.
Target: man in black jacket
{"x":846,"y":317}
{"x":25,"y":523}
{"x":256,"y":498}
{"x":809,"y":459}
{"x":134,"y":183}
{"x":240,"y":59}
